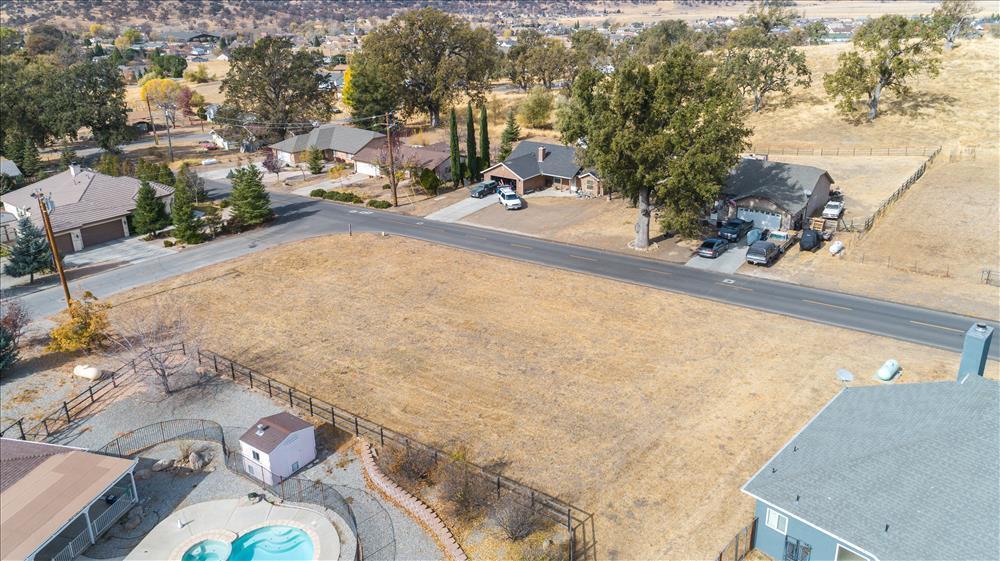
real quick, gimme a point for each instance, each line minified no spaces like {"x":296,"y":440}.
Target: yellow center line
{"x":735,"y":286}
{"x":582,"y":257}
{"x":655,"y":271}
{"x":825,"y":304}
{"x":937,"y":326}
{"x":521,"y":245}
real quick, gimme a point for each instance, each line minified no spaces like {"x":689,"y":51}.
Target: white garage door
{"x":368,"y":169}
{"x":760,"y":218}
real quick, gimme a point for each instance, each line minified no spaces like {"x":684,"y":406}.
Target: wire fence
{"x":579,"y":523}
{"x":741,"y":544}
{"x":73,"y":408}
{"x":846,"y":150}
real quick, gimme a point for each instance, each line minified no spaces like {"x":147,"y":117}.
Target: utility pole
{"x":392,"y":162}
{"x":156,"y":139}
{"x":170,"y":145}
{"x":44,"y":209}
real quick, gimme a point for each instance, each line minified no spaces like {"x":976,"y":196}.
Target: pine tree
{"x":484,"y":139}
{"x":315,"y":161}
{"x":30,"y":164}
{"x":187,"y":229}
{"x":471,"y":160}
{"x":8,"y":349}
{"x":251,"y":203}
{"x":164,"y":175}
{"x":30,"y":254}
{"x":456,"y":156}
{"x":511,"y":133}
{"x":316,"y":41}
{"x":13,"y":149}
{"x":150,"y":214}
{"x":7,"y":184}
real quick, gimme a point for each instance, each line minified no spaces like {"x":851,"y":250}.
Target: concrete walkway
{"x":332,"y":184}
{"x":462,"y":208}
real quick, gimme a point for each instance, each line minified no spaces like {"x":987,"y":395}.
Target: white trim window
{"x":776,"y":521}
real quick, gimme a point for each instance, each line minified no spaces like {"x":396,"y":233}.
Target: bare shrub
{"x":545,"y":550}
{"x":409,"y":466}
{"x":14,"y":318}
{"x":517,"y":519}
{"x":468,"y":492}
{"x":184,"y":449}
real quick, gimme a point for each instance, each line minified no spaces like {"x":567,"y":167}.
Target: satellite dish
{"x":844,"y":375}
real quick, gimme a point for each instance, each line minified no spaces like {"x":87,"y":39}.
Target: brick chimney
{"x":541,"y":154}
{"x":975,"y":351}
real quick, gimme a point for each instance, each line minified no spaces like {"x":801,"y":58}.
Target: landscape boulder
{"x":196,"y":461}
{"x":133,"y":519}
{"x":161,"y":465}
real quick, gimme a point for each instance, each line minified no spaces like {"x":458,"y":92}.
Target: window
{"x":256,"y":456}
{"x":777,"y":522}
{"x":295,"y":467}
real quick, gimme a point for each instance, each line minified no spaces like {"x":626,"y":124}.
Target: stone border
{"x":417,"y":509}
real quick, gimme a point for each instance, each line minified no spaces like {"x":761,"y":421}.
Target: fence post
{"x":310,"y":405}
{"x":66,"y":409}
{"x":498,"y":487}
{"x":356,"y":431}
{"x":249,"y":375}
{"x":183,"y":349}
{"x":232,"y":371}
{"x":215,"y":362}
{"x":135,"y":369}
{"x":333,"y":417}
{"x":91,"y":390}
{"x":45,"y":423}
{"x":20,"y":427}
{"x":114,"y":383}
{"x":381,"y":437}
{"x":119,"y":442}
{"x":269,"y":394}
{"x":290,"y":402}
{"x":199,"y":358}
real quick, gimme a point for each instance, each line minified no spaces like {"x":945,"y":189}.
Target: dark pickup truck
{"x":734,"y":230}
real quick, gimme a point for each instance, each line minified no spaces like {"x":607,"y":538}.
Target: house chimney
{"x":975,"y":351}
{"x":541,"y":154}
{"x":74,"y":169}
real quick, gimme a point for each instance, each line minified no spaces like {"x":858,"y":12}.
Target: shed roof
{"x":787,"y":185}
{"x":45,"y":486}
{"x":276,"y":429}
{"x":86,"y":198}
{"x":339,"y":138}
{"x":904,"y":471}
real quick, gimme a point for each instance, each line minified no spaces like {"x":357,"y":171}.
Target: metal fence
{"x":846,"y":150}
{"x":863,"y":226}
{"x":72,"y":408}
{"x":741,"y":544}
{"x":578,"y":522}
{"x":143,"y":438}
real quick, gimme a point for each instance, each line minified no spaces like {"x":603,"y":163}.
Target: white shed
{"x":277,"y":446}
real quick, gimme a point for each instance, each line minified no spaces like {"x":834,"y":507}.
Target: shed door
{"x":760,"y":218}
{"x":64,"y":243}
{"x":102,"y":233}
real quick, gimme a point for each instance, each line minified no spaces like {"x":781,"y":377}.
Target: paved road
{"x":301,"y":217}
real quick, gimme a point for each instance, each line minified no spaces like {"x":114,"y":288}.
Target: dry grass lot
{"x":621,"y":399}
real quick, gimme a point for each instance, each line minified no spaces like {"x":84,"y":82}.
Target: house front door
{"x":796,"y":550}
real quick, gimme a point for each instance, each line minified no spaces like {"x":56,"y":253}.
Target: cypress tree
{"x":510,"y":134}
{"x":187,"y":228}
{"x":150,"y":215}
{"x":30,"y":164}
{"x":251,"y":203}
{"x":471,"y":160}
{"x":456,"y":157}
{"x":30,"y":254}
{"x":484,"y":139}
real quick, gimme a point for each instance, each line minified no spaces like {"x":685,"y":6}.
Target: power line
{"x":274,"y":124}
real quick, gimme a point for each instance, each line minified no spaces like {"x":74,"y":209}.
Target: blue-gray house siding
{"x":821,"y":545}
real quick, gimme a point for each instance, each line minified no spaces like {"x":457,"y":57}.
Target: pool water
{"x":270,"y":543}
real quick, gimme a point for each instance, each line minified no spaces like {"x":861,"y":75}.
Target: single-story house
{"x":277,"y":446}
{"x":774,"y":195}
{"x":902,"y":472}
{"x":338,"y":142}
{"x":539,"y":165}
{"x":368,"y":161}
{"x":88,"y":208}
{"x":191,"y":37}
{"x":9,"y":168}
{"x":57,"y":500}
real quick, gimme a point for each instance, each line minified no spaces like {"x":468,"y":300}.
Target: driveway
{"x":726,"y":263}
{"x":124,"y":251}
{"x":462,"y":208}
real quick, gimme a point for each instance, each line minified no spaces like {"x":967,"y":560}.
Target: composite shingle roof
{"x":787,"y":185}
{"x":85,"y":198}
{"x":415,"y":156}
{"x":558,"y":160}
{"x":276,"y":429}
{"x":904,"y":471}
{"x":339,"y":138}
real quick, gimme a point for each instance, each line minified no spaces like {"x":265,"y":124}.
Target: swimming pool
{"x":270,"y":543}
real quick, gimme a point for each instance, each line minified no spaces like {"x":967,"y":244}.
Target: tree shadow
{"x":919,"y":105}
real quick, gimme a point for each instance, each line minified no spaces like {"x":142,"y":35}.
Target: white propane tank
{"x":209,"y":162}
{"x":86,"y":371}
{"x":836,"y":247}
{"x":888,"y":370}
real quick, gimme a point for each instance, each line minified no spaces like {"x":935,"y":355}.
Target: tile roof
{"x":787,"y":185}
{"x":329,"y":137}
{"x":922,"y":459}
{"x":87,"y":198}
{"x":276,"y":429}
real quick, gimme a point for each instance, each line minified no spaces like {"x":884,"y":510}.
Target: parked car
{"x":734,"y":229}
{"x":509,"y":199}
{"x":763,"y":253}
{"x":833,"y":210}
{"x":713,"y":247}
{"x":483,"y":188}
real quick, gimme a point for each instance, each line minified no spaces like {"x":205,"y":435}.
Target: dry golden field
{"x":618,"y":398}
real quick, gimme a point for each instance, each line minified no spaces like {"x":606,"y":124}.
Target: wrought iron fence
{"x":578,"y":522}
{"x":143,"y":438}
{"x":741,"y":544}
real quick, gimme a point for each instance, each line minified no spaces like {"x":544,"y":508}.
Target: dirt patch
{"x":617,"y":398}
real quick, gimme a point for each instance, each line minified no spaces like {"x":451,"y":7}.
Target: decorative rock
{"x":196,"y":461}
{"x":86,"y":371}
{"x":161,"y":465}
{"x":133,"y":519}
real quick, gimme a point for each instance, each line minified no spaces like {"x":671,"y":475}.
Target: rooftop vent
{"x":975,"y":351}
{"x":260,"y":429}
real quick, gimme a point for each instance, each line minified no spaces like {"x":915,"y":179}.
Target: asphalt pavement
{"x":303,"y":217}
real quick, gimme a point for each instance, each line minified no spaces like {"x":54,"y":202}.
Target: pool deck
{"x":228,"y":519}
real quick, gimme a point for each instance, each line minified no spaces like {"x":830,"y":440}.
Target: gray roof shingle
{"x":329,"y":137}
{"x":787,"y":185}
{"x":559,"y":160}
{"x":923,"y":459}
